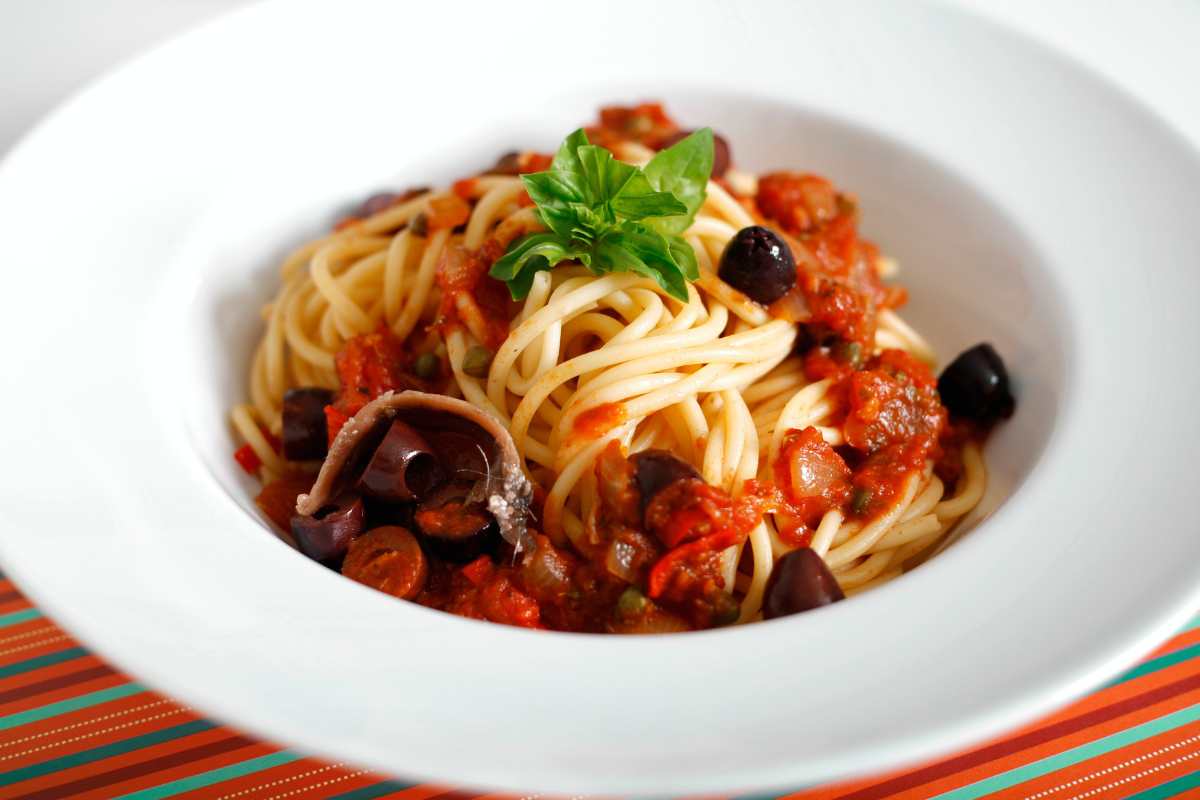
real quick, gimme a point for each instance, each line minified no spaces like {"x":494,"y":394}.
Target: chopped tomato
{"x":465,"y":188}
{"x":691,"y":573}
{"x":815,"y":478}
{"x":646,"y":123}
{"x":615,"y":483}
{"x":478,"y":570}
{"x":277,"y":500}
{"x":688,"y":509}
{"x":501,"y":601}
{"x":247,"y":459}
{"x":820,"y":364}
{"x":836,"y":308}
{"x":447,"y":212}
{"x":463,"y":271}
{"x":335,"y":418}
{"x":894,"y":400}
{"x":879,"y":479}
{"x":797,"y":201}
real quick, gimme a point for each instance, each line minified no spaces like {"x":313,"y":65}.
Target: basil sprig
{"x":611,"y":216}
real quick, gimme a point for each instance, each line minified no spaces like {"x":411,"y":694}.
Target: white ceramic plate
{"x":1029,"y":203}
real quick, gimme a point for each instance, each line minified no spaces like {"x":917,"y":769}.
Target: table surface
{"x":70,"y":726}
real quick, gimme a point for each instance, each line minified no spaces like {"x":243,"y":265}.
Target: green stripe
{"x":105,"y":751}
{"x":230,"y":772}
{"x":17,"y":617}
{"x":1171,"y":788}
{"x":372,"y":791}
{"x":64,"y":706}
{"x":1073,"y":756}
{"x":1155,"y":664}
{"x":37,"y":662}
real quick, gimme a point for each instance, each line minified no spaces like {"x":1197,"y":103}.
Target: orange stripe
{"x":24,"y":679}
{"x":1153,"y":751}
{"x":1095,"y":703}
{"x":34,"y":642}
{"x":17,"y":633}
{"x":1185,"y":639}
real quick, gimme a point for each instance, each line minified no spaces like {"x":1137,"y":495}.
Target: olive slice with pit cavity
{"x":325,"y":535}
{"x":758,"y":264}
{"x":388,"y":559}
{"x":403,"y":466}
{"x":304,"y":432}
{"x":455,"y":527}
{"x":800,"y":582}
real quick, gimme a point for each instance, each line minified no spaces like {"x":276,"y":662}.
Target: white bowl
{"x":1030,"y":204}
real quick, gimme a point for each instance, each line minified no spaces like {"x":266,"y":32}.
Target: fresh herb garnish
{"x":611,"y":216}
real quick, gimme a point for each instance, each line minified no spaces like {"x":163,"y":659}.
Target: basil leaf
{"x":530,"y":254}
{"x":566,"y":160}
{"x":637,"y":200}
{"x":635,"y":248}
{"x":683,"y":169}
{"x":553,"y":188}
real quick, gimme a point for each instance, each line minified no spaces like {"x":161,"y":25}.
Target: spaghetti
{"x":764,"y":401}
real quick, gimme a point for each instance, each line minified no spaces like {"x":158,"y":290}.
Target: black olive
{"x":721,"y":154}
{"x":403,"y":466}
{"x":655,"y":470}
{"x":326,"y":534}
{"x":975,"y":386}
{"x":759,"y":264}
{"x":304,"y":432}
{"x":507,"y":164}
{"x":454,"y":527}
{"x":799,"y":582}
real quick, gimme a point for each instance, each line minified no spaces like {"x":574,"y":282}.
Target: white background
{"x":49,"y":48}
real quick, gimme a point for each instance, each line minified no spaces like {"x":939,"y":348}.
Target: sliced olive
{"x":403,"y":466}
{"x":326,"y":534}
{"x":799,"y":582}
{"x":388,"y":559}
{"x":454,"y":526}
{"x":655,"y":470}
{"x":758,"y":264}
{"x":304,"y":431}
{"x":975,"y":386}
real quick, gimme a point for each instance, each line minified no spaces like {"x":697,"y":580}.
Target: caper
{"x":631,"y":603}
{"x":477,"y":361}
{"x":426,"y":366}
{"x":861,"y":501}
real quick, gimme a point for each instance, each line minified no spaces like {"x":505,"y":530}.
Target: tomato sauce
{"x":596,"y":422}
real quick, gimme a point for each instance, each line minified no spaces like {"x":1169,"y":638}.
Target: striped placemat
{"x":73,"y":727}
